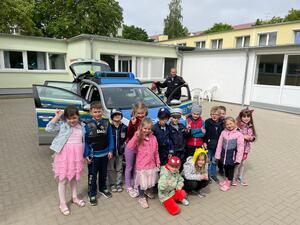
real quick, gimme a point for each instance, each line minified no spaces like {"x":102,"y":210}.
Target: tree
{"x":292,"y":15}
{"x":17,"y":15}
{"x":134,"y":33}
{"x":218,"y":27}
{"x":173,"y":26}
{"x":68,"y":18}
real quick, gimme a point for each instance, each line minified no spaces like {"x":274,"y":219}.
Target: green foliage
{"x":173,"y":26}
{"x":218,"y":27}
{"x":134,"y":33}
{"x":68,"y":18}
{"x":292,"y":15}
{"x":18,"y":14}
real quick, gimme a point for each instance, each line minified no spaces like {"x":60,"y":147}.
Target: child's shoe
{"x":242,"y":181}
{"x":113,"y":188}
{"x":132,"y":192}
{"x":149,"y":194}
{"x":215,"y":179}
{"x":185,"y":202}
{"x":222,"y":182}
{"x":105,"y":193}
{"x":143,"y":202}
{"x":119,"y":188}
{"x":64,"y":209}
{"x":226,"y":185}
{"x":93,"y":200}
{"x":234,"y":182}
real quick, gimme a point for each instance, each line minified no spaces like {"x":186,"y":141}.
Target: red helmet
{"x":174,"y":161}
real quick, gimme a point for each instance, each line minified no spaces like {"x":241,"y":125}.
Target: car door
{"x":71,"y":86}
{"x":185,"y":102}
{"x":47,"y":99}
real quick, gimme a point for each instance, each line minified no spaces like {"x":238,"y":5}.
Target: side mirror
{"x":86,"y":107}
{"x":175,"y":102}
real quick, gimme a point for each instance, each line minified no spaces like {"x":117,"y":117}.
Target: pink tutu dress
{"x":69,"y":162}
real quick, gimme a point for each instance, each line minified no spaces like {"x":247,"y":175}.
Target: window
{"x":270,"y":69}
{"x":125,"y":64}
{"x":57,"y":61}
{"x":181,"y":44}
{"x":169,"y":64}
{"x":297,"y":36}
{"x":13,"y":60}
{"x":110,"y":59}
{"x":293,"y":71}
{"x":200,"y":44}
{"x":242,"y":42}
{"x":217,"y":44}
{"x":267,"y":39}
{"x":36,"y":60}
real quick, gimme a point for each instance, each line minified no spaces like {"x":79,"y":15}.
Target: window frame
{"x":296,"y":31}
{"x":243,"y":41}
{"x":267,"y":38}
{"x":201,"y":44}
{"x":218,"y":43}
{"x":183,"y":44}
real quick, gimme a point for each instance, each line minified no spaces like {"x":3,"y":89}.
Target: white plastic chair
{"x":196,"y":95}
{"x":209,"y":93}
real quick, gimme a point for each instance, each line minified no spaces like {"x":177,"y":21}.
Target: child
{"x":97,"y":151}
{"x":213,"y":126}
{"x":162,"y":134}
{"x":222,"y":117}
{"x":115,"y":164}
{"x":246,"y":127}
{"x":196,"y":126}
{"x":147,"y":160}
{"x":68,"y":160}
{"x":230,"y":150}
{"x":139,"y":112}
{"x":177,"y":135}
{"x":195,"y":172}
{"x":170,"y":186}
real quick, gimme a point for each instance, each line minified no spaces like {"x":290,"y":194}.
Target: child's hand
{"x":110,"y":155}
{"x":58,"y":113}
{"x":88,"y":160}
{"x":188,"y":126}
{"x":133,"y":120}
{"x":203,"y":130}
{"x":247,"y":137}
{"x":245,"y":156}
{"x":205,"y":145}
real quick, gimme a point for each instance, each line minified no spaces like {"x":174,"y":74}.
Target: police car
{"x":93,"y":81}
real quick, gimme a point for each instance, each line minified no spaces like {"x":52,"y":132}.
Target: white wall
{"x":224,"y":69}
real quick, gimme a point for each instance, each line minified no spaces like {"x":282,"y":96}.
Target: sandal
{"x":64,"y":209}
{"x":78,"y":202}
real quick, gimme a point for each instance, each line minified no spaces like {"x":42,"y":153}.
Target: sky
{"x":199,"y":15}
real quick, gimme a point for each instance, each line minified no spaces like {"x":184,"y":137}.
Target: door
{"x":185,"y":102}
{"x":47,"y":99}
{"x":70,"y":86}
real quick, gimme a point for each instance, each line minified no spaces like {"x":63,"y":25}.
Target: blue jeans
{"x":212,"y":166}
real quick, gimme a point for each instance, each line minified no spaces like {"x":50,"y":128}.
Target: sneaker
{"x":221,"y":172}
{"x":215,"y":179}
{"x":113,"y":188}
{"x":105,"y":193}
{"x":226,"y":185}
{"x":149,"y":194}
{"x":132,"y":192}
{"x":234,"y":182}
{"x":143,"y":202}
{"x":222,"y":182}
{"x":242,"y":181}
{"x":185,"y":202}
{"x":93,"y":200}
{"x":201,"y":194}
{"x":119,"y":188}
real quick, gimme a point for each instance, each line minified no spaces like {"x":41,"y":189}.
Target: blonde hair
{"x":137,"y":106}
{"x":229,"y":118}
{"x":215,"y":109}
{"x":202,"y":169}
{"x":145,"y":121}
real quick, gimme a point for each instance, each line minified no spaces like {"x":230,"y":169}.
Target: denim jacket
{"x":64,"y":132}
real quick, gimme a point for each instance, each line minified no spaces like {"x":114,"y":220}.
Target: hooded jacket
{"x":213,"y":132}
{"x":246,"y":129}
{"x":195,"y":137}
{"x":119,"y":136}
{"x":189,"y":171}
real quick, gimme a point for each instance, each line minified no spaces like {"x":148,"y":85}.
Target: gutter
{"x":245,"y":77}
{"x":179,"y":50}
{"x":92,"y":46}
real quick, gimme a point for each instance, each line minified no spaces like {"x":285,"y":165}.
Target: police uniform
{"x":172,"y":83}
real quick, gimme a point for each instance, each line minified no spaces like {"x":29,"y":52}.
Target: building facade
{"x":242,"y":36}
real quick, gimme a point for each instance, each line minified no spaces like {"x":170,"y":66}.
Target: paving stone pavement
{"x":28,"y":191}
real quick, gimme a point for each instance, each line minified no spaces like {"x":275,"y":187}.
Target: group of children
{"x":171,"y":156}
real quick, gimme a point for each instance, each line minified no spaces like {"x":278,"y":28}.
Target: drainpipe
{"x":180,"y":55}
{"x":245,"y":77}
{"x":92,"y":46}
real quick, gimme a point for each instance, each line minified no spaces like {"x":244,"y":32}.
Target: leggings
{"x":129,"y":170}
{"x":239,"y":170}
{"x":62,"y":186}
{"x":229,"y":171}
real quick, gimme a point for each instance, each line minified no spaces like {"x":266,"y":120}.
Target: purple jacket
{"x":230,"y":148}
{"x":246,"y":129}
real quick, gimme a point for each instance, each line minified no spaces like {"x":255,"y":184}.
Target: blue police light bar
{"x":121,"y":80}
{"x":109,"y":74}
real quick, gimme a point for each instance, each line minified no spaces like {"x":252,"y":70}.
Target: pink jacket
{"x":246,"y":129}
{"x":230,"y":148}
{"x":147,"y":156}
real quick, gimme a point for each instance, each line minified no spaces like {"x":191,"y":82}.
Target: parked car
{"x":112,"y":89}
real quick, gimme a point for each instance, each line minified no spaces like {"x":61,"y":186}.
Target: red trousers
{"x":171,"y":205}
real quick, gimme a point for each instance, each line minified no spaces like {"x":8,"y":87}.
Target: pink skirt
{"x":69,"y":163}
{"x":146,"y":178}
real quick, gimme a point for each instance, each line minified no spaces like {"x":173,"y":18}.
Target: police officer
{"x":172,"y":82}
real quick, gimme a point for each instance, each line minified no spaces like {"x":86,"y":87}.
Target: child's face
{"x":175,"y":120}
{"x":201,"y":161}
{"x":146,"y":129}
{"x":173,"y":169}
{"x":246,"y":119}
{"x":162,"y":122}
{"x":117,"y":118}
{"x":230,"y":125}
{"x":222,"y":113}
{"x":72,"y":120}
{"x":196,"y":116}
{"x":140,"y":113}
{"x":215,"y":116}
{"x":96,"y":113}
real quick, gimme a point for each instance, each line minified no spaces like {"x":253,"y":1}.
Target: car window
{"x":73,"y":87}
{"x":126,"y":97}
{"x":83,"y":67}
{"x":51,"y":97}
{"x":84,"y":87}
{"x":94,"y":94}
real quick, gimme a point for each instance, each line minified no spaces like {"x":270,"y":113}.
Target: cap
{"x":163,"y":113}
{"x":176,"y":112}
{"x":114,"y":112}
{"x":197,"y":109}
{"x":174,"y":161}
